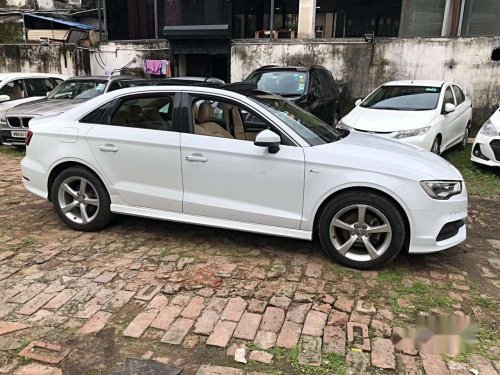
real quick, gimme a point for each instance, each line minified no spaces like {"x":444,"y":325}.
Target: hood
{"x":412,"y":161}
{"x":383,"y":120}
{"x":44,"y":107}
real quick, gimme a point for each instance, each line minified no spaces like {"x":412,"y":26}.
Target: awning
{"x":72,"y":24}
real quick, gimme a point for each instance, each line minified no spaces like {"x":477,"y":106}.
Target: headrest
{"x":135,"y":110}
{"x":205,"y":113}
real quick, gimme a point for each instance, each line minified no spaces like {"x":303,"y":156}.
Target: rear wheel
{"x":362,"y":229}
{"x":81,"y":200}
{"x":463,"y":144}
{"x":436,"y":146}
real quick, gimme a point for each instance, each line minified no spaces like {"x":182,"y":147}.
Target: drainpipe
{"x":99,"y":16}
{"x":156,"y":18}
{"x":105,"y":16}
{"x":271,"y":20}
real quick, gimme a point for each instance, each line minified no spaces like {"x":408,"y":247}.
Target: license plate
{"x":19,"y":134}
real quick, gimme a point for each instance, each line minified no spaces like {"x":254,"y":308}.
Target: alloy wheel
{"x":78,"y":200}
{"x":360,"y":232}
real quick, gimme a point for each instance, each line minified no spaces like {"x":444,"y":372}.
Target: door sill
{"x":211,"y":222}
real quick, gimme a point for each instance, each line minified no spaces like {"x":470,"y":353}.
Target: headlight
{"x":442,"y":190}
{"x":342,"y":125}
{"x":489,"y":130}
{"x":412,"y":133}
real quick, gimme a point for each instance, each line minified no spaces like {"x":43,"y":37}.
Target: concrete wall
{"x":47,"y":59}
{"x":117,"y":55}
{"x":466,"y":61}
{"x":41,"y":4}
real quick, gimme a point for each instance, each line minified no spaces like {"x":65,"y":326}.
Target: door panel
{"x":450,"y":120}
{"x":236,"y":180}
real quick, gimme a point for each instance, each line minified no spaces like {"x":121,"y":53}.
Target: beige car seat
{"x":205,"y":117}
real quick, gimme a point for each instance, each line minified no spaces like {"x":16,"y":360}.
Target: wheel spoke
{"x":69,"y":207}
{"x":361,"y":214}
{"x":85,"y":216}
{"x":385,"y":228}
{"x":347,"y":245}
{"x":92,"y":201}
{"x":371,"y":249}
{"x":342,"y":225}
{"x":70,"y":191}
{"x":83,"y":186}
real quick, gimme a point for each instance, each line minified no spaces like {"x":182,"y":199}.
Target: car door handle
{"x":108,"y":148}
{"x":197,"y":158}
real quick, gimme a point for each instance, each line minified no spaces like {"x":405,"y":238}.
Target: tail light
{"x":28,"y":137}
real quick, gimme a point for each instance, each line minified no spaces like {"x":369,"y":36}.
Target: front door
{"x":227,"y":177}
{"x":137,"y":146}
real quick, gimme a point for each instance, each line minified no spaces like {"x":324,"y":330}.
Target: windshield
{"x":310,"y":128}
{"x":281,"y":83}
{"x":81,"y":89}
{"x":403,"y":98}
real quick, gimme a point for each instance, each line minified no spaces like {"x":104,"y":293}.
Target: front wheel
{"x":362,"y":229}
{"x":81,"y":200}
{"x":463,"y":144}
{"x":436,"y":146}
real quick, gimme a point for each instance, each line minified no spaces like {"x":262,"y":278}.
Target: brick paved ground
{"x":192,"y":297}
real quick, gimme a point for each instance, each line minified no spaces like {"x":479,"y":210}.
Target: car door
{"x":462,"y":113}
{"x":450,"y":120}
{"x":233,"y":179}
{"x":38,"y":87}
{"x":137,"y":145}
{"x":316,"y":99}
{"x":16,"y":90}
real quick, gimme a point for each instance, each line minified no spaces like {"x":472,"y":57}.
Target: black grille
{"x":25,"y":121}
{"x":14,"y":122}
{"x":495,"y":146}
{"x":450,"y":230}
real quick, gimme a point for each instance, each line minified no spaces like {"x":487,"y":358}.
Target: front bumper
{"x":11,"y":137}
{"x":430,"y":229}
{"x":483,"y":150}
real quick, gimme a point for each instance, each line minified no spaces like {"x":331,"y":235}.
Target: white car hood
{"x":383,"y":120}
{"x":495,"y":119}
{"x":376,"y":153}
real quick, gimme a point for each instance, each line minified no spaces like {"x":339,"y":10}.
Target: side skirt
{"x":211,"y":222}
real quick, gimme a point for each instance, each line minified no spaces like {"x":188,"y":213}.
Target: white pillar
{"x":307,"y":18}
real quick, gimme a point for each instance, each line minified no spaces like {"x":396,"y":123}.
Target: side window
{"x":154,"y":112}
{"x":223,"y":119}
{"x":315,"y":85}
{"x":14,"y":89}
{"x":114,"y":86}
{"x":327,"y":82}
{"x":448,"y":97}
{"x":97,"y":115}
{"x":459,"y":94}
{"x":38,"y":86}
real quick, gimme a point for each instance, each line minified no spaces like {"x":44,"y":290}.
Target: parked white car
{"x":434,"y":115}
{"x":486,"y":148}
{"x":19,"y":88}
{"x":160,"y":152}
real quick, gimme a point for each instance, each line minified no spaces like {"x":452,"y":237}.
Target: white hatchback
{"x":434,"y":115}
{"x":486,"y":148}
{"x":238,"y":158}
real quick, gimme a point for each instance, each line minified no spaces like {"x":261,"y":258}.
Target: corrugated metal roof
{"x":76,"y":25}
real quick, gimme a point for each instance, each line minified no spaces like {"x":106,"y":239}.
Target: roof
{"x":104,"y":78}
{"x":4,"y":76}
{"x":416,"y":83}
{"x":72,"y":24}
{"x":288,"y":68}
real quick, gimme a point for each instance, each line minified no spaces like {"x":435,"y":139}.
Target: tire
{"x":463,"y":144}
{"x":436,"y":146}
{"x":384,"y":218}
{"x":68,"y":198}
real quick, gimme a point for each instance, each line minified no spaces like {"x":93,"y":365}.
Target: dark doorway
{"x":204,"y":65}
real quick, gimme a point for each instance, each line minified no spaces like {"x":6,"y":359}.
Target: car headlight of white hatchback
{"x":442,"y":190}
{"x":489,"y":130}
{"x":412,"y":132}
{"x":343,"y":125}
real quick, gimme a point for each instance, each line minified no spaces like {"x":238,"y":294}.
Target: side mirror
{"x":269,"y":139}
{"x":358,"y":102}
{"x":4,"y":98}
{"x":448,"y":108}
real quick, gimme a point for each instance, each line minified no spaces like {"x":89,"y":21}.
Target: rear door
{"x":451,"y":120}
{"x":137,"y":145}
{"x":462,"y":112}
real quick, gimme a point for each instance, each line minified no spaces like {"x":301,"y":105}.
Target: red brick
{"x":105,"y":277}
{"x":148,"y":292}
{"x":140,"y":323}
{"x":434,"y":364}
{"x":298,"y":312}
{"x":247,"y":327}
{"x":260,"y":356}
{"x":60,"y":299}
{"x":36,"y":303}
{"x":37,"y":369}
{"x":334,"y":340}
{"x":120,"y":299}
{"x":337,"y":318}
{"x":222,"y":334}
{"x":95,"y":324}
{"x":49,"y":353}
{"x":273,"y":319}
{"x":383,"y":354}
{"x":344,"y":304}
{"x":166,"y":316}
{"x":351,"y":326}
{"x":289,"y":335}
{"x":206,"y":323}
{"x":177,"y":331}
{"x":314,"y":270}
{"x":7,"y":327}
{"x":265,"y":339}
{"x":29,"y":293}
{"x":193,"y":308}
{"x":234,"y":309}
{"x":315,"y":323}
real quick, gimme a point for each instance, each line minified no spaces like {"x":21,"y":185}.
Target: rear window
{"x":281,"y":83}
{"x":403,"y":98}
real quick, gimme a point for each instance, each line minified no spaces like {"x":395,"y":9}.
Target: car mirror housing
{"x":269,"y":139}
{"x":4,"y":98}
{"x":449,"y":107}
{"x":358,"y":102}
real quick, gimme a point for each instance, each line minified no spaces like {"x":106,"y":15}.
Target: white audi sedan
{"x":486,"y":148}
{"x":433,"y":115}
{"x":238,"y":158}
